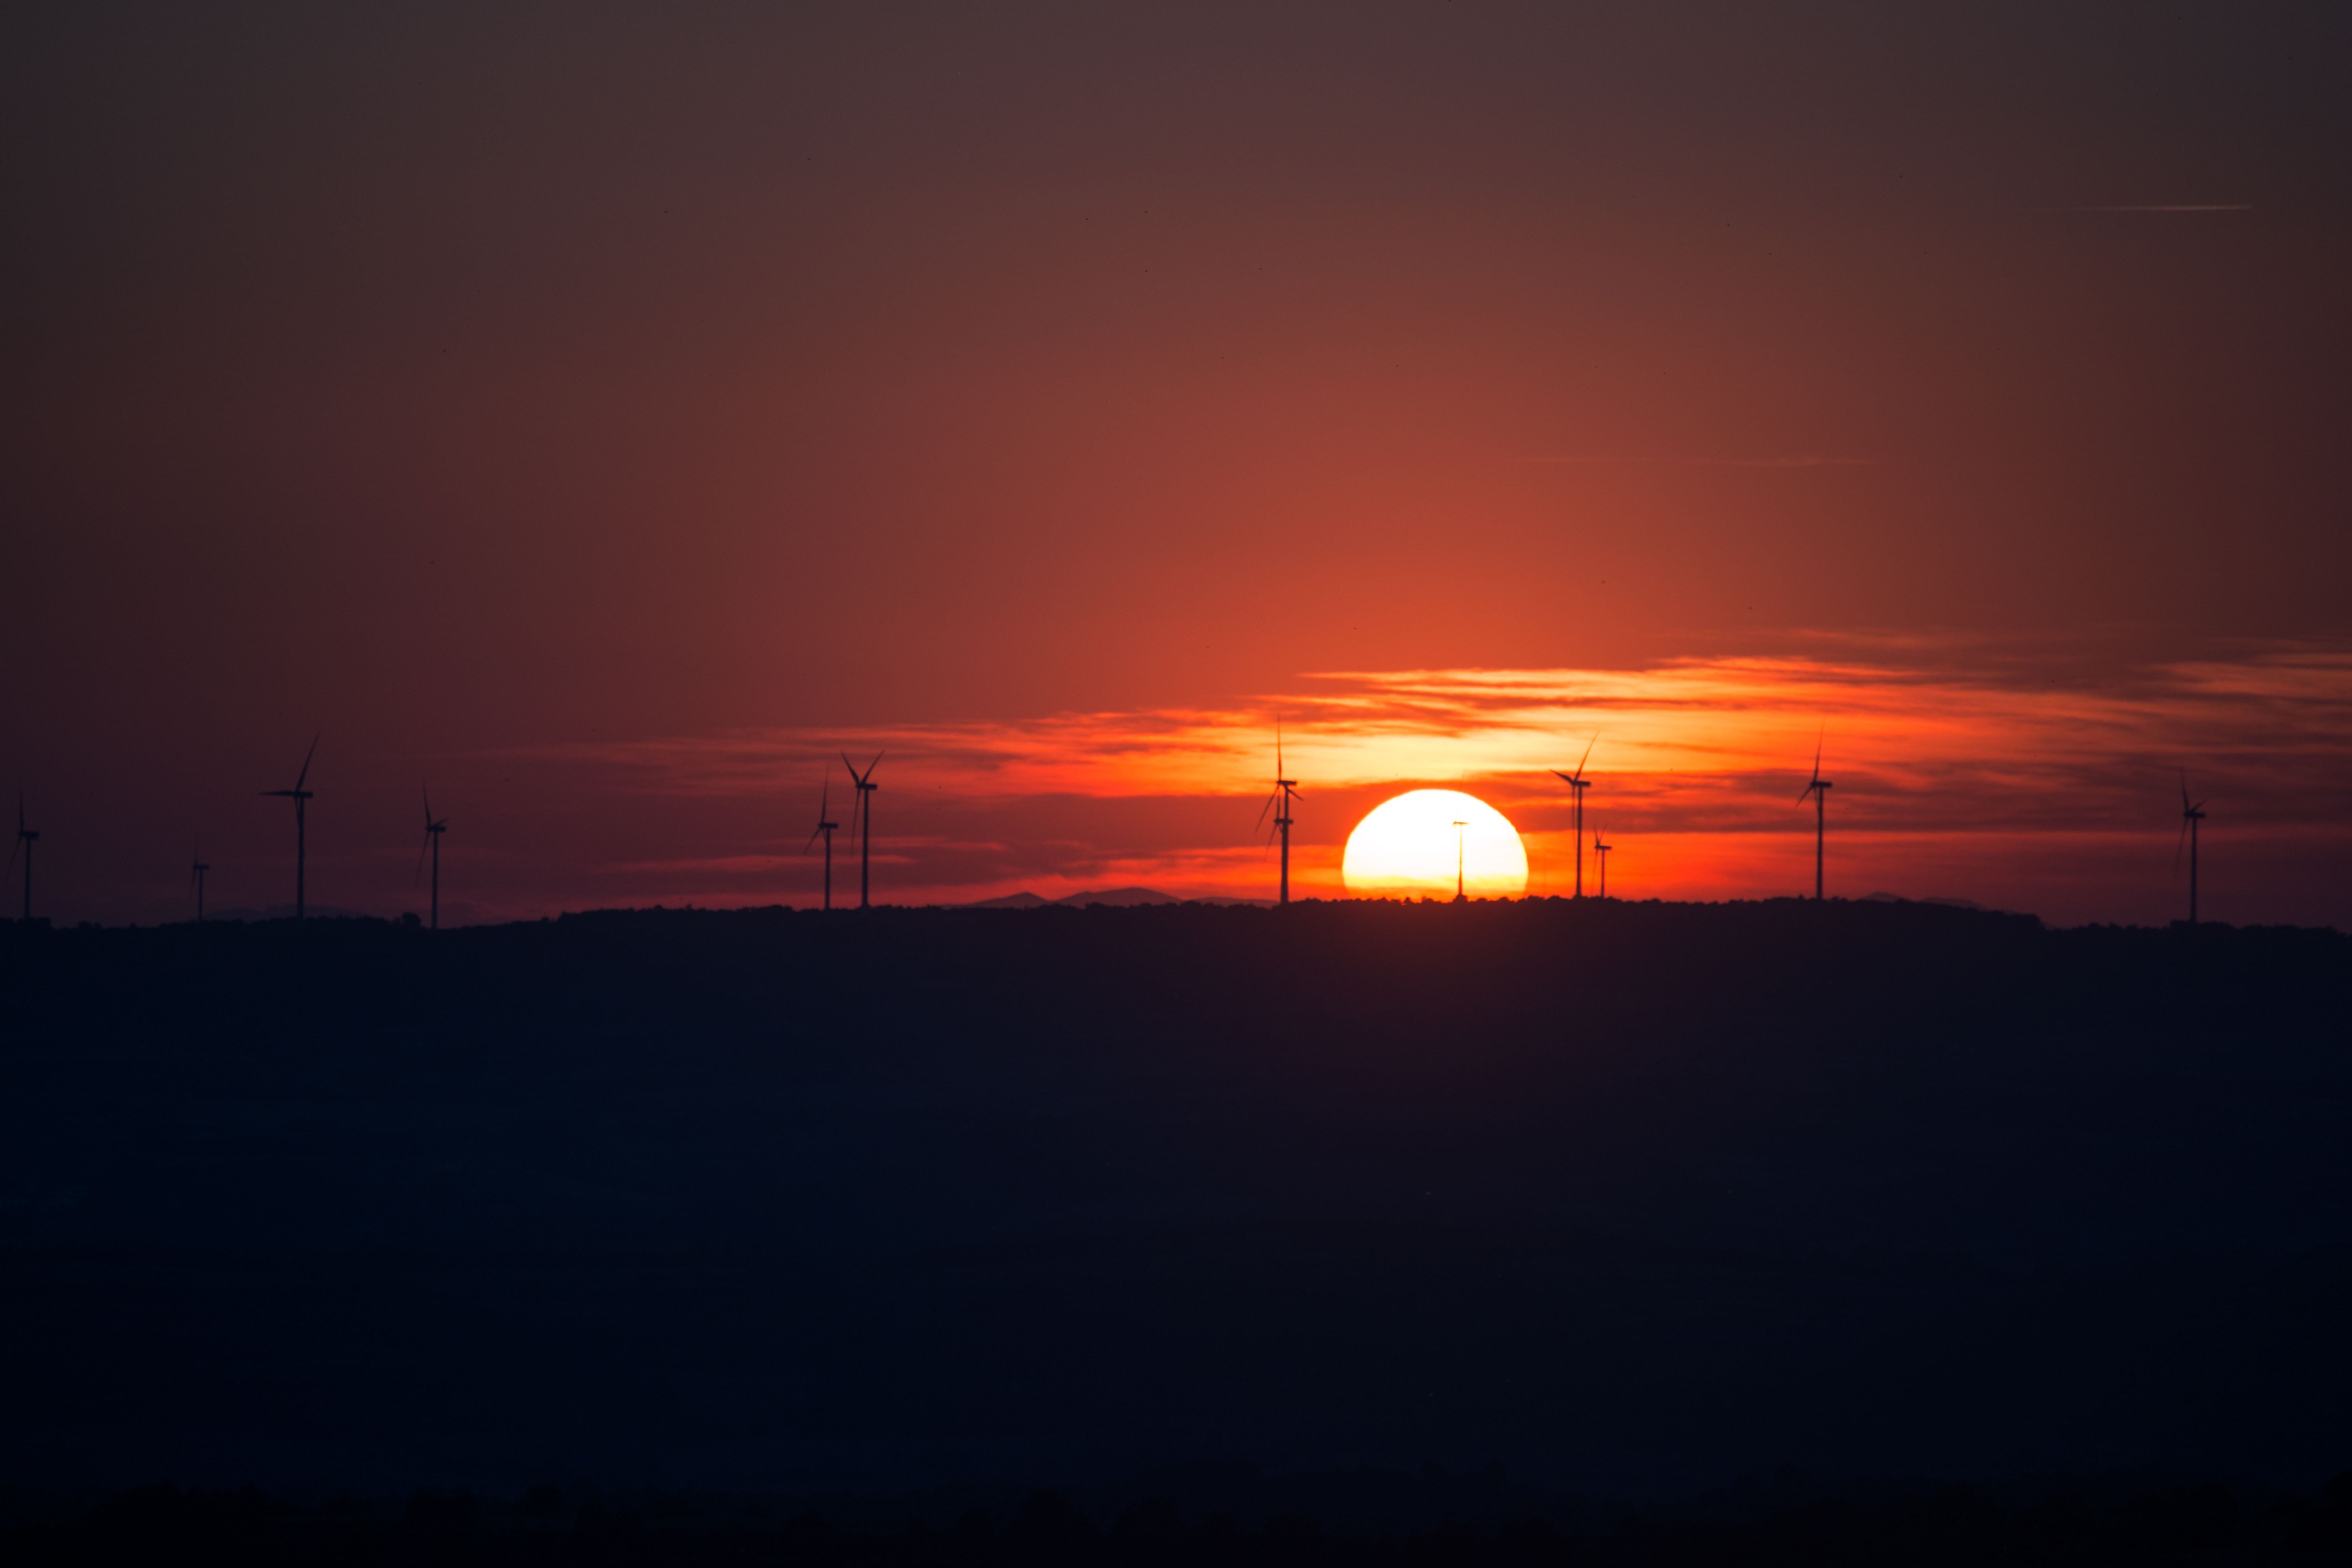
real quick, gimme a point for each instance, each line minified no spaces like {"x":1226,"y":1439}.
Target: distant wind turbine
{"x":1461,"y":829}
{"x":300,"y":797}
{"x":1578,"y":784}
{"x":1601,"y":853}
{"x":861,"y":820}
{"x":825,"y":826}
{"x":1284,"y":792}
{"x":1819,"y":788}
{"x":197,"y":869}
{"x":2190,"y":815}
{"x":433,"y":832}
{"x":26,"y":839}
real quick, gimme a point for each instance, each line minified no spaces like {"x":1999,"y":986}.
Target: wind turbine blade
{"x":1817,"y":751}
{"x":305,"y":774}
{"x":874,"y":763}
{"x":1262,"y":810}
{"x":421,"y":851}
{"x":428,"y":805}
{"x":2184,"y":791}
{"x":2179,"y":844}
{"x":1807,"y":791}
{"x":1588,"y":753}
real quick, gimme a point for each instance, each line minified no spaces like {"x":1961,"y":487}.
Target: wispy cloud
{"x":2173,"y":207}
{"x":1699,"y":757}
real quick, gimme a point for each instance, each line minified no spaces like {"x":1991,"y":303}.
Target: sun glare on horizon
{"x":1405,"y":847}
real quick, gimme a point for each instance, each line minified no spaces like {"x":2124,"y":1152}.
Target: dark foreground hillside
{"x":1629,"y":1199}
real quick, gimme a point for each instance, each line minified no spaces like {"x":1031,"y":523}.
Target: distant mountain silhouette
{"x":286,"y":912}
{"x":1907,"y":899}
{"x":1114,"y":898}
{"x":1119,"y":898}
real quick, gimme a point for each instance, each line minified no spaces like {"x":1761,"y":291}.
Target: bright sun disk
{"x":1405,"y":848}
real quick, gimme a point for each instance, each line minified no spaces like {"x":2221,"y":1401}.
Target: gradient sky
{"x":606,"y":415}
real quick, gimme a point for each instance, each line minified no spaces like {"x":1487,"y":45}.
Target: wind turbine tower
{"x":825,"y":826}
{"x":862,"y":819}
{"x":1601,"y":853}
{"x":1578,"y":784}
{"x":433,"y":832}
{"x":26,"y":839}
{"x":1819,"y":788}
{"x":197,"y":869}
{"x":1460,"y":829}
{"x":1284,"y":791}
{"x":300,"y":797}
{"x":2190,"y":815}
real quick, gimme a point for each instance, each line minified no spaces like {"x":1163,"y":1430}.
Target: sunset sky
{"x":609,"y":417}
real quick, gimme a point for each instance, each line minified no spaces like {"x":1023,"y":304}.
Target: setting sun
{"x":1408,"y":847}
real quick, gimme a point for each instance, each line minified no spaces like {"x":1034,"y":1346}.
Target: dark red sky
{"x":458,"y":380}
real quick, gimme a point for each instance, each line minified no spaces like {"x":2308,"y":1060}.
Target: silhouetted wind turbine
{"x":300,"y":797}
{"x":433,"y":832}
{"x":861,"y":818}
{"x":2190,"y":815}
{"x":26,"y":839}
{"x":1578,"y":784}
{"x":1460,"y":829}
{"x":825,"y":826}
{"x":197,"y":869}
{"x":1284,"y":791}
{"x":1601,"y":853}
{"x":1819,"y":788}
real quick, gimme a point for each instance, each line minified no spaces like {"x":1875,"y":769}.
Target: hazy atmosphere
{"x":607,"y":418}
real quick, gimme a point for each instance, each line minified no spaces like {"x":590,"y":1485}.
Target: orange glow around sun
{"x":1413,"y":844}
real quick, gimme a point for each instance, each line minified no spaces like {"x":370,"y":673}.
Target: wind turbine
{"x":26,"y":839}
{"x":861,"y":818}
{"x":1819,"y":788}
{"x":197,"y":869}
{"x":825,"y":826}
{"x":433,"y":832}
{"x":300,"y":797}
{"x":1284,"y":791}
{"x":1601,"y":853}
{"x":1578,"y":784}
{"x":1460,"y":829}
{"x":2190,"y":815}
